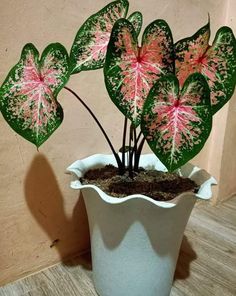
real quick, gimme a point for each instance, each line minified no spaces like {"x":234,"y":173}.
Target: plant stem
{"x":130,"y":152}
{"x":123,"y":143}
{"x":139,"y":136}
{"x":119,"y":163}
{"x":137,"y":156}
{"x":134,"y":151}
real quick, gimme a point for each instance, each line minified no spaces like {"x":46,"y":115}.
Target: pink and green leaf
{"x":217,"y":62}
{"x":136,"y":20}
{"x":176,"y":124}
{"x":130,"y":70}
{"x":28,"y":95}
{"x":90,"y":45}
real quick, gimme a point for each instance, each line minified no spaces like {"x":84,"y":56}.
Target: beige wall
{"x":36,"y":204}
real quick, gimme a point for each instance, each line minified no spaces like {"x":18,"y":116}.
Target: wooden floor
{"x":206,"y":265}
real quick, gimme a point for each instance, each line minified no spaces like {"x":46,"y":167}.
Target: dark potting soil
{"x":158,"y":185}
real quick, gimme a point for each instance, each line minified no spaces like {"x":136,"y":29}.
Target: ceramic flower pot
{"x":135,"y":240}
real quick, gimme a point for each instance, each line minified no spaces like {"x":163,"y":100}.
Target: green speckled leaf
{"x":217,"y":62}
{"x":136,"y":20}
{"x":90,"y":45}
{"x":175,"y":123}
{"x":28,"y":95}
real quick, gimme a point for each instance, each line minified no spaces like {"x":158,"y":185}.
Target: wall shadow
{"x":45,"y":201}
{"x":186,"y":256}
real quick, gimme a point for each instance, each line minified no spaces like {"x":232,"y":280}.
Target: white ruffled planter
{"x":135,"y":240}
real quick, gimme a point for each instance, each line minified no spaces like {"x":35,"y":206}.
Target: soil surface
{"x":155,"y":184}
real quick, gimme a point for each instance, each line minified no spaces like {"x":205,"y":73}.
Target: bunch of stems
{"x":132,"y":151}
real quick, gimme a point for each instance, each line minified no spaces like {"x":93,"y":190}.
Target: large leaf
{"x":130,"y":70}
{"x":28,"y":95}
{"x":136,"y":20}
{"x":176,"y":123}
{"x":217,"y":62}
{"x":89,"y":48}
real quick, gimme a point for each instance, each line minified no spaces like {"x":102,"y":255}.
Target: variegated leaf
{"x":217,"y":62}
{"x":130,"y":70}
{"x":28,"y":95}
{"x":136,"y":20}
{"x":176,"y":123}
{"x":90,"y":45}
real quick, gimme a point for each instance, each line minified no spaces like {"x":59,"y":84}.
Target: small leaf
{"x":217,"y":62}
{"x":28,"y":95}
{"x":219,"y":67}
{"x":136,"y":20}
{"x":90,"y":45}
{"x":176,"y":123}
{"x":130,"y":71}
{"x":127,"y":149}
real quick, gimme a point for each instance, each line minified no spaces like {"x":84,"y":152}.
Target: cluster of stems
{"x":133,"y":150}
{"x":130,"y":154}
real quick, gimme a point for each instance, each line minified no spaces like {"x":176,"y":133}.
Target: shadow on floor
{"x":186,"y":256}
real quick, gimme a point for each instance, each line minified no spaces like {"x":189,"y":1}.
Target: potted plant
{"x":168,"y":94}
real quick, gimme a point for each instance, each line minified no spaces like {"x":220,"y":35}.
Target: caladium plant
{"x":168,"y":92}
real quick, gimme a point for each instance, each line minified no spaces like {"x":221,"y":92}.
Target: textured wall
{"x":36,"y":204}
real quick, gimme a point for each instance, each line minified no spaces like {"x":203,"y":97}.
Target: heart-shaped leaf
{"x":176,"y":123}
{"x":90,"y":45}
{"x":130,"y":70}
{"x":217,"y":62}
{"x":136,"y":20}
{"x":28,"y":95}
